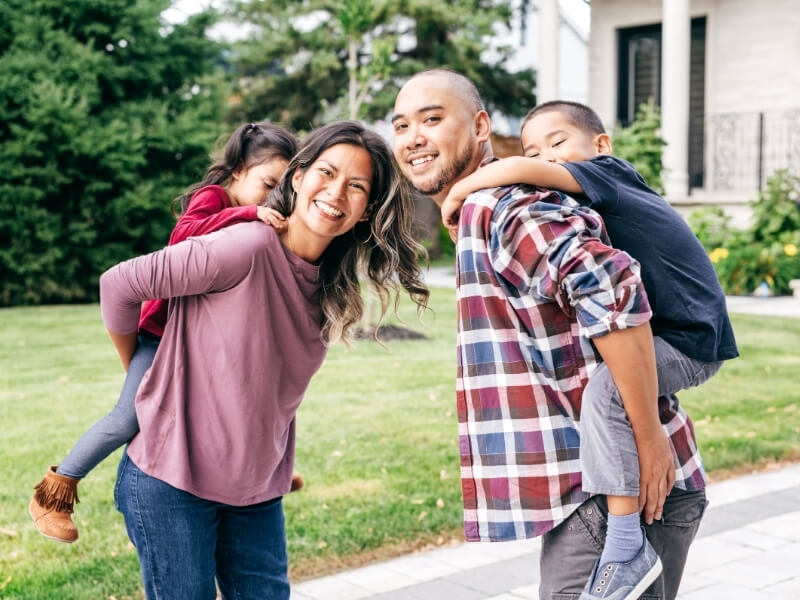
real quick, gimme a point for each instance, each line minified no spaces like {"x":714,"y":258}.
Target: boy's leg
{"x":118,"y":426}
{"x":252,"y":561}
{"x":174,"y":534}
{"x":676,"y":371}
{"x":570,"y":551}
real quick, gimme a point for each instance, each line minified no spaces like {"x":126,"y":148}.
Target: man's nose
{"x":414,"y":137}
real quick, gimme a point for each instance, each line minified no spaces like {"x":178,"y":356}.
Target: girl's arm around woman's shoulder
{"x":210,"y":210}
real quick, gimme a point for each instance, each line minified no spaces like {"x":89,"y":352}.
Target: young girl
{"x":232,"y":191}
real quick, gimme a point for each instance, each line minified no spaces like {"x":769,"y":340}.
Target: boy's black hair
{"x":578,"y":114}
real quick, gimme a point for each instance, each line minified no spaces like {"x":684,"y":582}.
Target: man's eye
{"x":433,"y":119}
{"x":400,"y":126}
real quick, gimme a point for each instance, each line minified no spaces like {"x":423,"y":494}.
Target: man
{"x":542,"y":300}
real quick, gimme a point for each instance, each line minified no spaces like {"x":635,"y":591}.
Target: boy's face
{"x":552,"y":137}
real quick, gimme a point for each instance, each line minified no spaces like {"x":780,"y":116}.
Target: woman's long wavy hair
{"x":250,"y":145}
{"x":382,"y":247}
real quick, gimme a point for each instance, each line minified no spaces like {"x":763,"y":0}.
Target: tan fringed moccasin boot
{"x":297,"y":482}
{"x":51,"y":506}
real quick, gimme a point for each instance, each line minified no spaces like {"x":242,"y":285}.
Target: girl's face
{"x":332,"y":193}
{"x":253,"y":185}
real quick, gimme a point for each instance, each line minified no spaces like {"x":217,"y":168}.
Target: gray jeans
{"x":118,"y":426}
{"x":609,"y":461}
{"x":570,"y":550}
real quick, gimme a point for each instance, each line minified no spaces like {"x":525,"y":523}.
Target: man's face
{"x":434,"y":136}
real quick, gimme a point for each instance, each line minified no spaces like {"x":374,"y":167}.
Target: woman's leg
{"x":251,"y":552}
{"x":118,"y":426}
{"x":174,"y":533}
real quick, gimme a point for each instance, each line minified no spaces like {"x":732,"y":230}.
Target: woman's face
{"x":332,"y":193}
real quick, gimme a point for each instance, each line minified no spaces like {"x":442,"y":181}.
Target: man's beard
{"x":449,"y":173}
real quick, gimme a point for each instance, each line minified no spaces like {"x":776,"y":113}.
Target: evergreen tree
{"x":308,"y":62}
{"x":106,"y":113}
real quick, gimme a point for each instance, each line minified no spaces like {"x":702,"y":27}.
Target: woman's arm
{"x":508,"y":171}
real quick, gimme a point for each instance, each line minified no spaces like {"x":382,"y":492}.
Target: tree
{"x":309,"y":62}
{"x":106,"y":114}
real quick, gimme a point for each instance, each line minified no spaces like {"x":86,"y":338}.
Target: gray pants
{"x":609,"y":461}
{"x":118,"y":426}
{"x":570,"y":550}
{"x":610,"y":465}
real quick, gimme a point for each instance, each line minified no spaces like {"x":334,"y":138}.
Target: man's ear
{"x":602,"y":144}
{"x":483,"y":126}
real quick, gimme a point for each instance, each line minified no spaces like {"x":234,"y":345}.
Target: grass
{"x":376,"y":443}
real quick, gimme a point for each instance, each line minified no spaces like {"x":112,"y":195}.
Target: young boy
{"x":567,"y":149}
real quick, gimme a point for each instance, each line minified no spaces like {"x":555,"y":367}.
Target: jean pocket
{"x":593,"y":518}
{"x":120,"y":470}
{"x":684,"y":509}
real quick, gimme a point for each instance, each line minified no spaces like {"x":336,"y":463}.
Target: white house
{"x":726,"y":74}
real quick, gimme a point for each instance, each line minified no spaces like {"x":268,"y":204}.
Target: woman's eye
{"x":324,"y":171}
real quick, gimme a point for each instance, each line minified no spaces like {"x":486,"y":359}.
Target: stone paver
{"x":748,"y":547}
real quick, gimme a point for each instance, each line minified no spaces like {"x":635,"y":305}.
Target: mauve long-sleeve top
{"x":243,"y":338}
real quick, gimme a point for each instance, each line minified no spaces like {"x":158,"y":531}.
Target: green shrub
{"x":641,"y":145}
{"x":766,"y":252}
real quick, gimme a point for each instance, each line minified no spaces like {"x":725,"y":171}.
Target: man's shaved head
{"x":460,"y":86}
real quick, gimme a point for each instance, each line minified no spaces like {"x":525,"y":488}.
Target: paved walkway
{"x":748,"y":548}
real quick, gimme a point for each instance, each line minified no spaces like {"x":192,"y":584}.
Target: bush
{"x":641,"y":145}
{"x":765,"y":253}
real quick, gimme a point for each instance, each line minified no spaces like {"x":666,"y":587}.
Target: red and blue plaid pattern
{"x":535,"y":282}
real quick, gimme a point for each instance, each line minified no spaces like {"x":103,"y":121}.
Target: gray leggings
{"x":609,"y":461}
{"x":118,"y":426}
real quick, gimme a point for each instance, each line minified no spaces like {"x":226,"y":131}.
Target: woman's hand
{"x":270,"y":216}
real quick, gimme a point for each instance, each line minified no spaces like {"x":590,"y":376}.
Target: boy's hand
{"x":270,"y":216}
{"x":451,"y":207}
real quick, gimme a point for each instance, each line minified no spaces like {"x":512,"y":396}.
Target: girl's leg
{"x":174,"y":533}
{"x":251,"y":552}
{"x":118,"y":426}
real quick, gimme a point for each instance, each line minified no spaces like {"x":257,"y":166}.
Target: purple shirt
{"x":242,"y":341}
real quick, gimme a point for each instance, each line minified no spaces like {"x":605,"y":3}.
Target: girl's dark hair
{"x":580,"y":115}
{"x":251,"y":144}
{"x":382,"y":248}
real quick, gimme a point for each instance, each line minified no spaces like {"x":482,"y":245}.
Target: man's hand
{"x":656,"y":473}
{"x":270,"y":216}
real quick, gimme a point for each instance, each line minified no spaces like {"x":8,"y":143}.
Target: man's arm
{"x":630,"y":357}
{"x":508,"y":171}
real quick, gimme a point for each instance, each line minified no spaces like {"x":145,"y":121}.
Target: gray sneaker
{"x":624,"y":581}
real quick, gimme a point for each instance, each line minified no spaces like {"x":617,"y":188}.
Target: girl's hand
{"x":270,"y":216}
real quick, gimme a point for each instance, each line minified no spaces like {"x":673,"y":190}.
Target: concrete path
{"x":748,"y":548}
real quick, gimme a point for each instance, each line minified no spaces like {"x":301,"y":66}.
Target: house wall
{"x":752,"y":50}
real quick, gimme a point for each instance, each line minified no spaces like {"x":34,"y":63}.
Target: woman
{"x":250,"y":317}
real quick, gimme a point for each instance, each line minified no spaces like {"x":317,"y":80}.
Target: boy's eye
{"x":532,"y":155}
{"x":558,"y":143}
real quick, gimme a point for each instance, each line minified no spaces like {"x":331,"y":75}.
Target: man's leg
{"x":570,"y":550}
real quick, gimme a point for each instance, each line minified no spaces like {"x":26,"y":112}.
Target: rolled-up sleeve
{"x":555,"y":253}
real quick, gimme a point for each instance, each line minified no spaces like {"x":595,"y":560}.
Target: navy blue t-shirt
{"x":689,"y":310}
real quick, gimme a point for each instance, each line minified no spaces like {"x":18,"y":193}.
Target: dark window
{"x":639,"y":71}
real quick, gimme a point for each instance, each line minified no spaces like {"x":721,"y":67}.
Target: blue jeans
{"x":118,"y":426}
{"x":184,"y":542}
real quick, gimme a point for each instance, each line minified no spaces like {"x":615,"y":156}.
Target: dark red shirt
{"x":209,"y":210}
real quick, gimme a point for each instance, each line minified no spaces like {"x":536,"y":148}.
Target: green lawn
{"x":376,"y":443}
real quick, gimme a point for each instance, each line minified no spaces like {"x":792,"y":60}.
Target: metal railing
{"x":743,"y":149}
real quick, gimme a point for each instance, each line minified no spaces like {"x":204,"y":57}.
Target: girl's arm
{"x":508,"y":171}
{"x":125,"y":345}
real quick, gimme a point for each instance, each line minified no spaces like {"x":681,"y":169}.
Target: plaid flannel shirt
{"x":537,"y":281}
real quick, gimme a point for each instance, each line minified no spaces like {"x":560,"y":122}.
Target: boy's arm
{"x":508,"y":171}
{"x":630,"y":357}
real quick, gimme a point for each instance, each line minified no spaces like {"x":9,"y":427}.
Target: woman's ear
{"x":602,"y":144}
{"x":297,"y":179}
